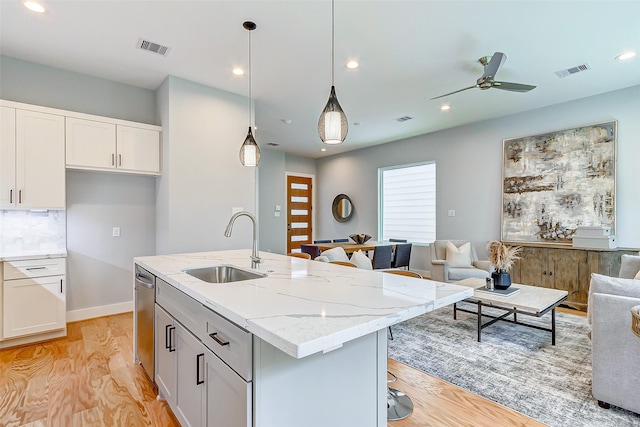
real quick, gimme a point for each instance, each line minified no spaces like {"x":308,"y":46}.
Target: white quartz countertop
{"x":21,"y":255}
{"x":304,"y":307}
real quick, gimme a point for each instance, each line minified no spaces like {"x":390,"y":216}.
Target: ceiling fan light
{"x":249,"y":151}
{"x":333,"y":126}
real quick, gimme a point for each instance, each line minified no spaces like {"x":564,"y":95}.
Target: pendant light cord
{"x":250,"y":109}
{"x":332,"y":42}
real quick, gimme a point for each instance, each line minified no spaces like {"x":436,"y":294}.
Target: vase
{"x":501,"y":279}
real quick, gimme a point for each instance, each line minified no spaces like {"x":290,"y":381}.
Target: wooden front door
{"x":299,"y":205}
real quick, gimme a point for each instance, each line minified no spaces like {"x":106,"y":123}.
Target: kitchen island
{"x":317,"y":347}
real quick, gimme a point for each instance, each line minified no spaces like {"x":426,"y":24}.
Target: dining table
{"x":351,"y":247}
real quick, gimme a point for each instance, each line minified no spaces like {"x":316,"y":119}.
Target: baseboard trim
{"x":100,"y":311}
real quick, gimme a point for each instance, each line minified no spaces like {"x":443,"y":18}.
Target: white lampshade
{"x":249,"y":151}
{"x":332,"y":126}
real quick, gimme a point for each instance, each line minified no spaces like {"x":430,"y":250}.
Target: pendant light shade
{"x":249,"y":151}
{"x":332,"y":126}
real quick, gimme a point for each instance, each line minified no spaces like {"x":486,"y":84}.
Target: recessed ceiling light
{"x":353,"y":64}
{"x":238,"y":71}
{"x":34,"y":6}
{"x":323,"y":149}
{"x":626,"y":55}
{"x":445,"y":107}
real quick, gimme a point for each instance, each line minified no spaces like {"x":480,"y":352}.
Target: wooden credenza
{"x":566,"y":268}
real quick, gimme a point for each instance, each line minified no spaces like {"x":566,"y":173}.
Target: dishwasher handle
{"x":144,"y":281}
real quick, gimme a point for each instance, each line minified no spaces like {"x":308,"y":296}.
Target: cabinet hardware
{"x":113,"y":159}
{"x":217,"y":339}
{"x":60,"y":285}
{"x":35,"y":268}
{"x":198,"y":380}
{"x":551,"y":273}
{"x":544,"y":272}
{"x":171,"y":344}
{"x":19,"y":196}
{"x":166,"y":336}
{"x":119,"y":159}
{"x":11,"y":196}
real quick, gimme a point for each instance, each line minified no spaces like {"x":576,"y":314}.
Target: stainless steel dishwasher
{"x":144,"y":297}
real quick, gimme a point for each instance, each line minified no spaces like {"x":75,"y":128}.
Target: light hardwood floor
{"x":89,"y":379}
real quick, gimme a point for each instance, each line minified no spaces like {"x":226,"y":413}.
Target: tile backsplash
{"x":32,"y":230}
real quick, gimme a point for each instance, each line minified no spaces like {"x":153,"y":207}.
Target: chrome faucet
{"x":255,"y":259}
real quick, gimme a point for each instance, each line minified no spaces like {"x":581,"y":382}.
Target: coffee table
{"x":529,"y":301}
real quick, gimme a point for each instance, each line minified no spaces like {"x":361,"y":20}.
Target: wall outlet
{"x":115,"y":232}
{"x":451,"y":212}
{"x":276,"y":214}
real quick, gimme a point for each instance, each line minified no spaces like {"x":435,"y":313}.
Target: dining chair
{"x":299,"y":255}
{"x":405,"y":273}
{"x":322,"y":241}
{"x":312,"y":250}
{"x":398,"y":240}
{"x":382,"y":257}
{"x":340,"y":240}
{"x":345,"y":263}
{"x":402,"y":255}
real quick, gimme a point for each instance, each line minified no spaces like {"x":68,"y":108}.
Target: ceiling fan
{"x":491,"y":66}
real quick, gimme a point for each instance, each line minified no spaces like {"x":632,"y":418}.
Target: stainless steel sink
{"x":223,"y":274}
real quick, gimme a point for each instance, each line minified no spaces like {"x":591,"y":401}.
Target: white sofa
{"x":615,"y":348}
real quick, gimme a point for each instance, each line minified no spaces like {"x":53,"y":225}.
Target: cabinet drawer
{"x":179,"y":305}
{"x":34,"y":268}
{"x":229,"y":342}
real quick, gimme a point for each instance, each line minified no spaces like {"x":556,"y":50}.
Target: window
{"x":407,"y":200}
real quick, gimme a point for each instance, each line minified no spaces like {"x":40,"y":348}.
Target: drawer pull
{"x":218,"y":339}
{"x":35,"y":268}
{"x":171,"y":343}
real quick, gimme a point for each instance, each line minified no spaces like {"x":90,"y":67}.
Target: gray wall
{"x":202,"y":177}
{"x":468,"y":160}
{"x":99,"y":266}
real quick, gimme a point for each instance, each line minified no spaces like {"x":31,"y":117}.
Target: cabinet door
{"x":533,"y":267}
{"x":229,"y":397}
{"x":568,"y":271}
{"x":90,"y":144}
{"x":165,"y":354}
{"x":7,"y":157}
{"x":40,"y":166}
{"x":190,"y":391}
{"x":138,"y":149}
{"x":33,"y":305}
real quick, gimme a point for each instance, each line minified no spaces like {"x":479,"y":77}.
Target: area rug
{"x":514,"y":366}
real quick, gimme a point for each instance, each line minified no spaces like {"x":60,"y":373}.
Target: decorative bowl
{"x":360,"y":238}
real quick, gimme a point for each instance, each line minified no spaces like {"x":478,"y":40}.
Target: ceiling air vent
{"x":153,"y":47}
{"x":573,"y":70}
{"x":403,"y":119}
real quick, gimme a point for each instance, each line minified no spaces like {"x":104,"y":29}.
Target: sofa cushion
{"x":456,"y":274}
{"x":613,"y":286}
{"x":459,"y":257}
{"x":361,"y":260}
{"x":629,"y":266}
{"x":336,"y":254}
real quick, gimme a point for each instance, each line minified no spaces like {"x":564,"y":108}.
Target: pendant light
{"x":249,"y":151}
{"x":332,"y":126}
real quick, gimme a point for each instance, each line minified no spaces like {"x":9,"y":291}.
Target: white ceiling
{"x":409,"y":52}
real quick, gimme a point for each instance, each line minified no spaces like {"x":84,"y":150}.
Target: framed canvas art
{"x":557,"y":181}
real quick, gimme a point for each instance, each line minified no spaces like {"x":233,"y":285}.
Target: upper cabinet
{"x":32,"y":173}
{"x":99,"y":145}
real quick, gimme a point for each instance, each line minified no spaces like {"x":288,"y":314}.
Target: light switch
{"x":451,"y":212}
{"x":115,"y":232}
{"x":276,"y":214}
{"x":277,"y":208}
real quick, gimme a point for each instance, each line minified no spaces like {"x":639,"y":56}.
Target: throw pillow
{"x":336,"y":254}
{"x":361,"y":260}
{"x":637,"y":276}
{"x":321,"y":258}
{"x":459,"y":257}
{"x":629,"y":266}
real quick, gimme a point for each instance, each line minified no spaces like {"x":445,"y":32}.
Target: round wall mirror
{"x":342,"y":208}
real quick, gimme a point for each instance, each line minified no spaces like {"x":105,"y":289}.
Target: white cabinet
{"x":93,"y":144}
{"x":190,"y":379}
{"x":32,"y":159}
{"x":228,"y":396}
{"x":33,"y":297}
{"x":165,"y":355}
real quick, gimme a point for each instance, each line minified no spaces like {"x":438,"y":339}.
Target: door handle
{"x":11,"y":196}
{"x":171,"y":343}
{"x":119,"y":159}
{"x":19,"y":196}
{"x":60,"y":285}
{"x":167,"y":338}
{"x":198,"y":380}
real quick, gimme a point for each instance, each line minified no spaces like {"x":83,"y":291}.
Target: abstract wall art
{"x":557,"y":181}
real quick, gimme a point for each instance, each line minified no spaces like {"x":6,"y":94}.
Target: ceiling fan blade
{"x":451,"y":93}
{"x":494,"y":65}
{"x":513,"y":87}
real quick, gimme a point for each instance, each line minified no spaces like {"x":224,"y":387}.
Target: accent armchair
{"x":453,"y":260}
{"x":615,"y":348}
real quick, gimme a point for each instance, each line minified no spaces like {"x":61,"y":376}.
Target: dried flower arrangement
{"x":502,"y":256}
